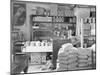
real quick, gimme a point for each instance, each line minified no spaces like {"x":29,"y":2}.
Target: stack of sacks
{"x":94,"y":59}
{"x":67,"y":58}
{"x":71,"y":58}
{"x":94,"y":55}
{"x":84,"y":58}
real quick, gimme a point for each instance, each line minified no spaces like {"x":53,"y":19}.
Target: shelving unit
{"x":89,"y":39}
{"x":45,"y":29}
{"x":52,"y":22}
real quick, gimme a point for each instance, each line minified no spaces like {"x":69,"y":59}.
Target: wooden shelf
{"x":63,"y":22}
{"x":53,"y":16}
{"x":53,"y":22}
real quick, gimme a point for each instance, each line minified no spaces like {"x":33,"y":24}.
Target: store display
{"x":69,"y":12}
{"x":37,"y":46}
{"x":40,"y":10}
{"x":46,"y":26}
{"x":87,"y":26}
{"x":61,"y":11}
{"x":36,"y":58}
{"x":43,"y":57}
{"x":90,"y":20}
{"x":42,"y":19}
{"x":58,"y":19}
{"x":89,"y":30}
{"x":52,"y":34}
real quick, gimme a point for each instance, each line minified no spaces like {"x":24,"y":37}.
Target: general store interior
{"x":34,"y":28}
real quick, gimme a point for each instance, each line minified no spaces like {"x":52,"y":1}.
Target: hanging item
{"x":19,"y":12}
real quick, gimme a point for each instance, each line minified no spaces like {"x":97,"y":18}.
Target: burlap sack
{"x":72,"y":68}
{"x":82,"y":64}
{"x":84,"y":51}
{"x":83,"y":68}
{"x":90,"y":59}
{"x":67,"y":67}
{"x":82,"y":61}
{"x":62,"y":66}
{"x":82,"y":56}
{"x":67,"y":54}
{"x":72,"y":65}
{"x":68,"y":61}
{"x":71,"y":60}
{"x":72,"y":50}
{"x":62,"y":69}
{"x":63,"y":54}
{"x":62,"y":59}
{"x":67,"y":46}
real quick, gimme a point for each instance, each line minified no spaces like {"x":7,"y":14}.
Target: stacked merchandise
{"x":43,"y":57}
{"x":67,"y":58}
{"x":58,"y":19}
{"x":43,"y":11}
{"x":86,"y":28}
{"x":71,"y":58}
{"x":69,"y":12}
{"x":94,"y":60}
{"x":42,"y":19}
{"x":40,"y":10}
{"x":90,"y":20}
{"x":61,"y":11}
{"x":84,"y":58}
{"x":36,"y":58}
{"x":53,"y":11}
{"x":45,"y":26}
{"x":65,"y":11}
{"x":94,"y":55}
